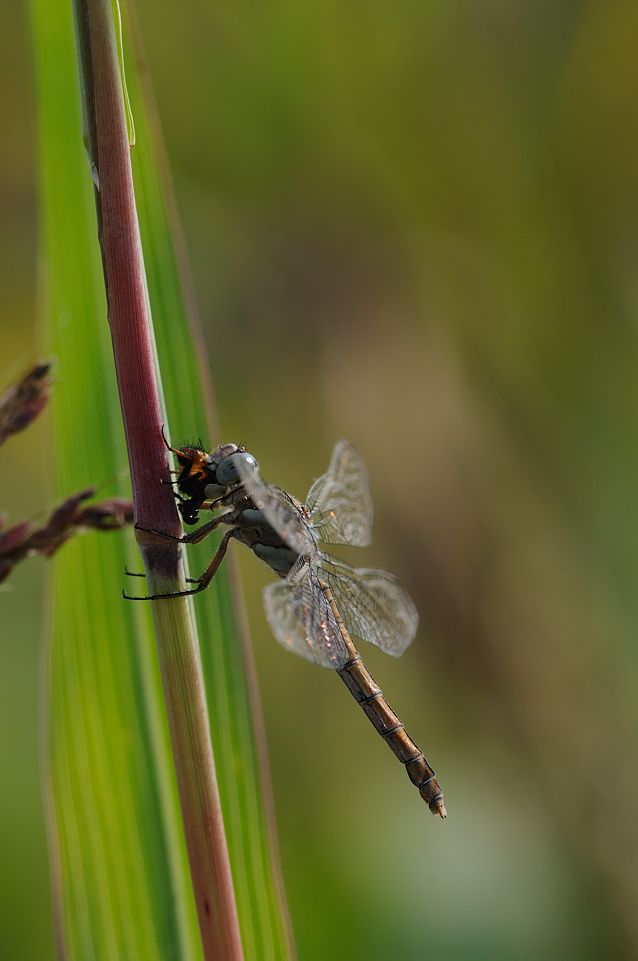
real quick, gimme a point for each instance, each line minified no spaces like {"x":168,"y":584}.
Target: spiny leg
{"x":189,"y":580}
{"x":202,"y":582}
{"x":176,"y":494}
{"x":211,"y":570}
{"x":194,"y":537}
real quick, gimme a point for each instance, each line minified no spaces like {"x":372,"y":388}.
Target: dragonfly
{"x":319,"y":603}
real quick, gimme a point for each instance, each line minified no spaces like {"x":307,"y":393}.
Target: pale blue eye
{"x":227,"y":472}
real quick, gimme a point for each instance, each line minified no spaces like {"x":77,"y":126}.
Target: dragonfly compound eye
{"x":227,"y":472}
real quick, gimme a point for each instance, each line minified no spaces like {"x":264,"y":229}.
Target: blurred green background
{"x":414,"y":225}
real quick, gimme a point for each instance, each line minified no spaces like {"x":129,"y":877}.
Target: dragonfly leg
{"x":149,"y":530}
{"x":196,"y":536}
{"x":193,"y":538}
{"x":211,"y":570}
{"x":202,"y":582}
{"x":176,"y":494}
{"x":189,"y":580}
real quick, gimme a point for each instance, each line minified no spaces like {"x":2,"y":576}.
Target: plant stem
{"x":154,"y":504}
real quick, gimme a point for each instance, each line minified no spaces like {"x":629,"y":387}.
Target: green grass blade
{"x":121,"y":876}
{"x":262,"y":913}
{"x":122,"y":881}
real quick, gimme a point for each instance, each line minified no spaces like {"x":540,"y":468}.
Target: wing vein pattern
{"x":340,"y":501}
{"x":373,"y":605}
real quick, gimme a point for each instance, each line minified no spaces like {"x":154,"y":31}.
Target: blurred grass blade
{"x":121,"y":880}
{"x":121,"y":883}
{"x":130,"y":122}
{"x":226,"y":654}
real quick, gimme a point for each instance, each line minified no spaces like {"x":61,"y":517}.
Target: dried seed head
{"x":11,"y":539}
{"x":24,"y":401}
{"x":66,"y":520}
{"x":108,"y":515}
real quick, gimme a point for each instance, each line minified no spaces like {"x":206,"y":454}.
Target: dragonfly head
{"x":207,"y":477}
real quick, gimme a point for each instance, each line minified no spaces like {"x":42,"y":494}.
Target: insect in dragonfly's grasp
{"x":320,"y":602}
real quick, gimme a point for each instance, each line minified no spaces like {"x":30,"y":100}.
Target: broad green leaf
{"x":121,"y":880}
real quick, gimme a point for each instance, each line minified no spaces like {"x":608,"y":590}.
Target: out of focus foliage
{"x":413,"y":224}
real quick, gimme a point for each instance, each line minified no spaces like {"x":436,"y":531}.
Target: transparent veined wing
{"x":280,"y":510}
{"x":301,"y":617}
{"x":372,"y":603}
{"x":340,"y":501}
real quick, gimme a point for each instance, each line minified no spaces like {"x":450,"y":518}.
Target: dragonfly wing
{"x":302,"y":620}
{"x":280,"y":510}
{"x":339,"y":500}
{"x":372,"y":603}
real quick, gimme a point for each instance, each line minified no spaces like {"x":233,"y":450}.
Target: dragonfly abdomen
{"x":370,"y":698}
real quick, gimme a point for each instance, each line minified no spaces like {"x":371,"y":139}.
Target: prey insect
{"x":319,"y":602}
